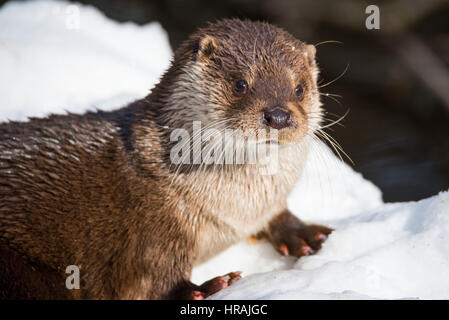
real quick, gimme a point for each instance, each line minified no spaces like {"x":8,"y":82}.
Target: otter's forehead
{"x":243,"y":33}
{"x":252,"y":45}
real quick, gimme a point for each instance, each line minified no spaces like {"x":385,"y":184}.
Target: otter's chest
{"x":235,"y":210}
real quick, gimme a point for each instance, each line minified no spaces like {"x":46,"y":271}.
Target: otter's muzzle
{"x":277,"y":117}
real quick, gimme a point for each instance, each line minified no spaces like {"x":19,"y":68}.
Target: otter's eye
{"x":240,"y":87}
{"x":299,"y":91}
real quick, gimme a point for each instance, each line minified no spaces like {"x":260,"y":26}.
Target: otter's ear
{"x":206,"y":47}
{"x":311,"y":53}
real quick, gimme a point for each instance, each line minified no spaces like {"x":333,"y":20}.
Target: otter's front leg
{"x":291,"y":236}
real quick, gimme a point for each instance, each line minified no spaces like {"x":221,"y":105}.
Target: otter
{"x":100,"y":191}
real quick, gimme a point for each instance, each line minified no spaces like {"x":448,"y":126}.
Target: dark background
{"x":396,"y":85}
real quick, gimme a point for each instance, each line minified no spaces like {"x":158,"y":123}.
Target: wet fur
{"x":98,"y":190}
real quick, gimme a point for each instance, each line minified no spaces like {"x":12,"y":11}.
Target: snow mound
{"x":396,"y":251}
{"x":57,"y":56}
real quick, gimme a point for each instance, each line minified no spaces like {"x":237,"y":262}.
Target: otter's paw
{"x":291,"y":236}
{"x":216,"y":284}
{"x":301,"y":241}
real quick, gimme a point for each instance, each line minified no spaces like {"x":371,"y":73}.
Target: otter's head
{"x":243,"y":75}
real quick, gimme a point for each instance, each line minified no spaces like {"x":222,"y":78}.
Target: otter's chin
{"x":281,"y":143}
{"x":291,"y":138}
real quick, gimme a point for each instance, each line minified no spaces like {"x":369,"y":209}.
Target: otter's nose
{"x":277,"y":117}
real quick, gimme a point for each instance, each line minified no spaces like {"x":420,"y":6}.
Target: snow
{"x":394,"y":251}
{"x":57,"y":57}
{"x":67,"y":57}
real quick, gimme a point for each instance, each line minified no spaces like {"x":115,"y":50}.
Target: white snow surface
{"x":57,"y":57}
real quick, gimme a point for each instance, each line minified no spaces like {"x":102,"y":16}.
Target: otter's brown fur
{"x":99,"y":191}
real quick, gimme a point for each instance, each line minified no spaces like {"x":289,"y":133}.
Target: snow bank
{"x":394,"y":251}
{"x":56,"y":56}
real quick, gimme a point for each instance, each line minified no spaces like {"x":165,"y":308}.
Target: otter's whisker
{"x":332,"y":81}
{"x":328,"y":41}
{"x":337,"y":121}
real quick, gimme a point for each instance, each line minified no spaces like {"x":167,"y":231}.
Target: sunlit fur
{"x":272,"y":62}
{"x":99,"y":190}
{"x":236,"y":201}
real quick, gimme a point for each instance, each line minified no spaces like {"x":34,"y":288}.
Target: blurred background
{"x":396,"y":83}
